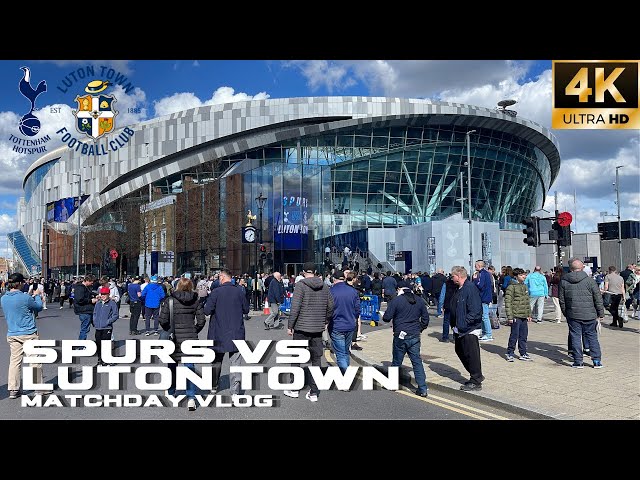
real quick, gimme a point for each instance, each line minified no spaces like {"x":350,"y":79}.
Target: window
{"x":154,"y":240}
{"x":163,"y":238}
{"x":164,"y":218}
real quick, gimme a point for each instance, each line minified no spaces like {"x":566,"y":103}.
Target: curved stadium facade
{"x":327,"y":165}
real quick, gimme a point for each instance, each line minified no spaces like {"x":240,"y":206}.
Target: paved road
{"x":357,"y":404}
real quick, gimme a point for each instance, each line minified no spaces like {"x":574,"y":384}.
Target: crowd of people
{"x":325,"y":310}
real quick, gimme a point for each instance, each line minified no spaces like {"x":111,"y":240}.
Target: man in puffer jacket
{"x":518,"y":308}
{"x":311,"y":310}
{"x":581,"y":302}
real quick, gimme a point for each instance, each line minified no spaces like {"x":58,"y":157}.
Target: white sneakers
{"x":191,"y":405}
{"x":312,"y":397}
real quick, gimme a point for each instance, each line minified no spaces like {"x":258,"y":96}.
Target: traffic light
{"x":562,"y":235}
{"x":531,"y":231}
{"x":263,"y":249}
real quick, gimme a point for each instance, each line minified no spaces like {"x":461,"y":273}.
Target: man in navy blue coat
{"x":227,"y":306}
{"x":466,"y":320}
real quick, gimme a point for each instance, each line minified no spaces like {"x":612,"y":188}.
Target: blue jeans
{"x":519,"y":334}
{"x":486,"y":323}
{"x":410,"y":345}
{"x":341,"y":342}
{"x":85,"y":325}
{"x":576,"y":330}
{"x":441,"y":299}
{"x":446,"y":325}
{"x":191,"y":388}
{"x":538,"y":304}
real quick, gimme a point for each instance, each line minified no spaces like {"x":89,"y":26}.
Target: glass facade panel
{"x":373,"y":177}
{"x":36,"y":177}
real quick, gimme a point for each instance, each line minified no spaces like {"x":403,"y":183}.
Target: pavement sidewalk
{"x":547,"y":387}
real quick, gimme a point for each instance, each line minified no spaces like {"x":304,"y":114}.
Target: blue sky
{"x":163,"y":86}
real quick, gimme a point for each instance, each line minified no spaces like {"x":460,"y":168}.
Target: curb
{"x":407,"y":381}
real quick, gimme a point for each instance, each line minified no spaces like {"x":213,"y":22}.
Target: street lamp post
{"x":260,"y":201}
{"x":468,"y":135}
{"x":78,"y":213}
{"x":619,"y":226}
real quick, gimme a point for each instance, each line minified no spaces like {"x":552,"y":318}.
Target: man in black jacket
{"x":437,"y":281}
{"x":83,"y":304}
{"x":410,"y":317}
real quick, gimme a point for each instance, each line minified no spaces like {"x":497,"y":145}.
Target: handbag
{"x":125,"y":297}
{"x":169,"y":334}
{"x":493,"y":316}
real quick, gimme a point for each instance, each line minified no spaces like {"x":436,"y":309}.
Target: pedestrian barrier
{"x":285,"y":307}
{"x":369,"y":309}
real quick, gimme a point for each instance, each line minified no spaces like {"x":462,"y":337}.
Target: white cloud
{"x":186,"y":100}
{"x":322,"y":73}
{"x":406,"y":78}
{"x":7,"y":223}
{"x":125,"y":102}
{"x":176,"y":103}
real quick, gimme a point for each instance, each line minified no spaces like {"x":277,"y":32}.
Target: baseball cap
{"x":105,"y":291}
{"x":15,"y":277}
{"x":338,"y":274}
{"x":154,"y":278}
{"x":309,"y":267}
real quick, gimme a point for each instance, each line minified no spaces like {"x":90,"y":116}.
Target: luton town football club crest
{"x":95,"y":115}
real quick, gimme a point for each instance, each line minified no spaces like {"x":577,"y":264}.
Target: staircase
{"x":27,"y":256}
{"x":336,"y":259}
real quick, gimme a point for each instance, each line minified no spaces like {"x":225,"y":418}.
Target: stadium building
{"x":334,"y":171}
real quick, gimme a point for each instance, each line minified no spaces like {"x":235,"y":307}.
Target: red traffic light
{"x":263,"y":248}
{"x":564,"y":219}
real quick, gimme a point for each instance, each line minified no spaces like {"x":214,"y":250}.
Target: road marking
{"x":442,"y":405}
{"x":473,"y":409}
{"x":433,"y":399}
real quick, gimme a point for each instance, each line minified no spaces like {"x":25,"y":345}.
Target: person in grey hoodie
{"x":581,"y":302}
{"x":311,"y":309}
